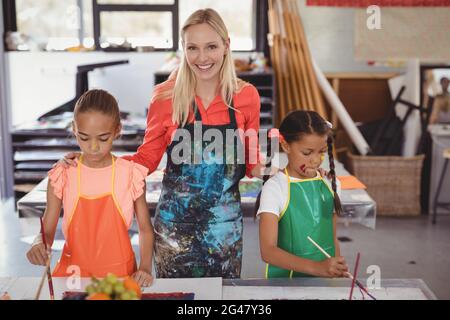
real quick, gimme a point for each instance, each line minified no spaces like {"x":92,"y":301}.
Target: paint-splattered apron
{"x":198,"y":222}
{"x":309,"y":212}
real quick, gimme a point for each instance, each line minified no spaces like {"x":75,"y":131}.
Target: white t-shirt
{"x":274,"y":194}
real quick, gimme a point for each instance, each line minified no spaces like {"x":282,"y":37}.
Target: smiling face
{"x":205,"y":51}
{"x":95,"y":133}
{"x":306,"y":154}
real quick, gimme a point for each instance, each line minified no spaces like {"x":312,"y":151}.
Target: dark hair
{"x":100,"y":101}
{"x":292,"y":128}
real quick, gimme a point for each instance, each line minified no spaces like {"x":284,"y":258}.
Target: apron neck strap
{"x":231,"y":113}
{"x":287,"y":175}
{"x":79,"y":176}
{"x":197,"y":114}
{"x":113,"y":173}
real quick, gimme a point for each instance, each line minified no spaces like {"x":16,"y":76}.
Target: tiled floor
{"x":401,"y":247}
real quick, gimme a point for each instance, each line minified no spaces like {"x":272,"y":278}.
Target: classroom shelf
{"x":264,"y":82}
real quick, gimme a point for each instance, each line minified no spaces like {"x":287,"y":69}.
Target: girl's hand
{"x":333,"y":268}
{"x":37,"y":254}
{"x":144,"y":278}
{"x":69,"y":160}
{"x":5,"y":297}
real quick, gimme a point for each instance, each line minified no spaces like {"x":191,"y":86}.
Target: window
{"x":137,"y":28}
{"x":241,"y":29}
{"x":54,"y":24}
{"x":58,"y":25}
{"x":135,"y":1}
{"x":135,"y":23}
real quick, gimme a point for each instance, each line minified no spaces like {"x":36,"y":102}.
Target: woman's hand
{"x":260,"y":170}
{"x":144,"y":278}
{"x":69,"y":160}
{"x":333,"y":268}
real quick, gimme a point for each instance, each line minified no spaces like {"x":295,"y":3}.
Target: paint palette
{"x":168,"y":296}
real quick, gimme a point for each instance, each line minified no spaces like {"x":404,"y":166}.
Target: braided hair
{"x":332,"y":174}
{"x":293,"y":127}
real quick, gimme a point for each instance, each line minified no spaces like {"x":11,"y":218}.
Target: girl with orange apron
{"x":97,"y":236}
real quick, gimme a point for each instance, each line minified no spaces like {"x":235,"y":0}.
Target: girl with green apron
{"x":298,"y":203}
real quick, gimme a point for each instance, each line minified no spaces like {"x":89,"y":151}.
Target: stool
{"x":436,"y":203}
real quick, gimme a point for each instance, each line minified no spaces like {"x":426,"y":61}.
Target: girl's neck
{"x":296,"y":174}
{"x":104,"y":162}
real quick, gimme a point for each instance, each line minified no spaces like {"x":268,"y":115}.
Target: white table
{"x":357,"y":205}
{"x":440,"y":134}
{"x":253,"y":289}
{"x":25,"y":288}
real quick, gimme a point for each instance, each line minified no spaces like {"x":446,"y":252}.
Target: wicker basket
{"x":392,"y":181}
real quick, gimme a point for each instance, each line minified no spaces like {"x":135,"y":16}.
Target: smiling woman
{"x":198,"y":219}
{"x":204,"y":57}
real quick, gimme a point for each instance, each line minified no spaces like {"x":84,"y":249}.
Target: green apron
{"x":308,"y":212}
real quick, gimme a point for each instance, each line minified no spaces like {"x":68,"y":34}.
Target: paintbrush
{"x":355,"y":273}
{"x":349,"y":275}
{"x":47,"y":268}
{"x":41,"y":284}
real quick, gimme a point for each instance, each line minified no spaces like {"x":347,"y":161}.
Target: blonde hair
{"x":182,"y":83}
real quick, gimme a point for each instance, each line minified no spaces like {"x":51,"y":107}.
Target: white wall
{"x":41,"y":81}
{"x":330,"y":34}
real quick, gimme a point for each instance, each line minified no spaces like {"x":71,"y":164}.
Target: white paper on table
{"x":25,"y":288}
{"x":360,"y":197}
{"x":317,"y":293}
{"x":5,"y":284}
{"x":22,"y":288}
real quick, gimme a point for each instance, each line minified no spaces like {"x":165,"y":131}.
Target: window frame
{"x":259,"y":33}
{"x":9,"y":15}
{"x":97,"y":9}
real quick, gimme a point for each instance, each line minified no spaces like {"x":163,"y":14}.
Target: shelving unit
{"x":36,"y":148}
{"x":35,"y":152}
{"x":264,"y":83}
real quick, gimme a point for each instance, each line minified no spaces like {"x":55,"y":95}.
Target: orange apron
{"x":97,"y":237}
